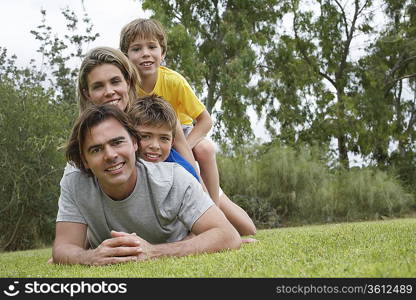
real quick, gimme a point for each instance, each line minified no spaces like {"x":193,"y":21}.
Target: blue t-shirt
{"x":174,"y":156}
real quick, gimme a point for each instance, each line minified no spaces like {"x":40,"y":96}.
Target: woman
{"x":107,"y":76}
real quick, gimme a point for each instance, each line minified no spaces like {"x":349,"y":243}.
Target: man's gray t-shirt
{"x":163,"y":207}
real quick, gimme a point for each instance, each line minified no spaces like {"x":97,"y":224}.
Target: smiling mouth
{"x":152,"y":157}
{"x":113,"y":102}
{"x":115,"y":168}
{"x":146,"y":64}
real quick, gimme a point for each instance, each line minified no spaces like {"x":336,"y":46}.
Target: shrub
{"x":32,"y":128}
{"x":369,"y":194}
{"x":276,"y":183}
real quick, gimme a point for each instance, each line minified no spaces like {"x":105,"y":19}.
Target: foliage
{"x":37,"y":110}
{"x":368,"y":249}
{"x":32,"y":127}
{"x":387,"y":102}
{"x":301,"y":66}
{"x":279,"y":184}
{"x":367,"y":193}
{"x":214,"y":44}
{"x":307,"y":68}
{"x":308,"y":81}
{"x":59,"y":53}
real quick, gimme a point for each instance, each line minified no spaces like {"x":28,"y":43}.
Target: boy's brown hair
{"x":143,"y":28}
{"x":90,"y":117}
{"x":153,"y":111}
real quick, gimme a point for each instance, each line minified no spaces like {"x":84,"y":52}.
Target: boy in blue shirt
{"x":155,"y":120}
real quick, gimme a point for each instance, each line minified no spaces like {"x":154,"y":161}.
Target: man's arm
{"x":213,"y":233}
{"x":69,"y":248}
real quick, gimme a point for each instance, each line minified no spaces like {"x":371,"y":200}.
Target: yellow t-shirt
{"x":174,"y":88}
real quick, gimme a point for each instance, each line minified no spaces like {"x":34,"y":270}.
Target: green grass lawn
{"x":365,"y":249}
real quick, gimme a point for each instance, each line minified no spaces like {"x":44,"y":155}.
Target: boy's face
{"x":156,"y":142}
{"x":146,"y":54}
{"x":106,"y":84}
{"x":109,"y":152}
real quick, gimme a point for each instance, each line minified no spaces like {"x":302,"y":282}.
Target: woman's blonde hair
{"x":106,"y":55}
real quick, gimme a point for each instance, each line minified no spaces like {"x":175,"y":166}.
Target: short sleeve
{"x":195,"y":201}
{"x":68,"y":210}
{"x":190,"y":103}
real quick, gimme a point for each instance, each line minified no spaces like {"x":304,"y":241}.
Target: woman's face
{"x":106,"y":84}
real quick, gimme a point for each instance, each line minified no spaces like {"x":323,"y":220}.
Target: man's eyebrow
{"x":119,"y":138}
{"x":116,"y":139}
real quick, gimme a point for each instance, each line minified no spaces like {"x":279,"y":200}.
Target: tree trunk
{"x":341,"y":137}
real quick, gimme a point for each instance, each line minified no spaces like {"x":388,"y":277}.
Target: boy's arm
{"x":202,"y":127}
{"x":213,"y":233}
{"x":69,"y":248}
{"x":181,"y":145}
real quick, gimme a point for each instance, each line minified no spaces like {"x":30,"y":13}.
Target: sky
{"x":19,"y":17}
{"x":22,"y":16}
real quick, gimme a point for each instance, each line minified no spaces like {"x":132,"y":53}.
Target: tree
{"x":58,"y":54}
{"x":317,"y":100}
{"x":388,"y":78}
{"x":214,"y":44}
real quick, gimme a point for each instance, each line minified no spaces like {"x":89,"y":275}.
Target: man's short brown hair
{"x":90,"y":117}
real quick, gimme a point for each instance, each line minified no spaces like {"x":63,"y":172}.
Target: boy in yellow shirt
{"x":144,"y":43}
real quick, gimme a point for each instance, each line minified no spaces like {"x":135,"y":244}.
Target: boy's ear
{"x":135,"y":145}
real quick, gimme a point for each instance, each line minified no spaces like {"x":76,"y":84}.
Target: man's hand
{"x":118,"y":249}
{"x":145,"y":248}
{"x":69,"y":247}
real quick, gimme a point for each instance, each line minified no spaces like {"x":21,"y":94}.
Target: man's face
{"x":109,"y":152}
{"x":106,"y":84}
{"x":156,"y":142}
{"x":146,"y":55}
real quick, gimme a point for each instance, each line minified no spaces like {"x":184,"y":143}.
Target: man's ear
{"x":84,"y":162}
{"x":173,"y":142}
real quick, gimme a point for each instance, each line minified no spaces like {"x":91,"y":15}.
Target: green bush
{"x":34,"y":122}
{"x":369,"y":194}
{"x":240,"y":181}
{"x":278,"y":184}
{"x":32,"y":128}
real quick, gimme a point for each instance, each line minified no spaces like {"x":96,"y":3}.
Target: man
{"x":129,"y":209}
